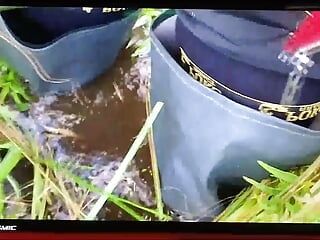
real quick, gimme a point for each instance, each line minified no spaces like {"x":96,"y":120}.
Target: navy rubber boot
{"x":57,"y":49}
{"x":205,"y":141}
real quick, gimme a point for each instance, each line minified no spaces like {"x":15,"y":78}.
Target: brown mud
{"x":105,"y":116}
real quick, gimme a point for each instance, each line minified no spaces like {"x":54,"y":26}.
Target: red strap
{"x":307,"y":33}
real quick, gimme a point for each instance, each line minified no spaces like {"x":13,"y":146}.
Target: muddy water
{"x":104,"y":118}
{"x":112,"y":111}
{"x":112,"y":114}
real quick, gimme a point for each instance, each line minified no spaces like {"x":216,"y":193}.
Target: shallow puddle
{"x":112,"y":111}
{"x":111,"y":114}
{"x":103,"y":119}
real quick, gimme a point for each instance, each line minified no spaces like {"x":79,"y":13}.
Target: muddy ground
{"x":104,"y":117}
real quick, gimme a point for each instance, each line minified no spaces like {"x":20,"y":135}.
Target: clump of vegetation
{"x":141,"y":31}
{"x":12,"y":91}
{"x":12,"y":157}
{"x":12,"y":88}
{"x":286,"y":197}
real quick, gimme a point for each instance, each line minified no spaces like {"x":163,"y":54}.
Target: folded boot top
{"x":236,"y":54}
{"x":57,"y":49}
{"x":252,"y":37}
{"x":52,"y":23}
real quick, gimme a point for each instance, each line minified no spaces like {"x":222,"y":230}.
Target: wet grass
{"x":154,"y":164}
{"x":51,"y":178}
{"x":286,"y":197}
{"x":141,"y":29}
{"x":13,"y":88}
{"x":12,"y":157}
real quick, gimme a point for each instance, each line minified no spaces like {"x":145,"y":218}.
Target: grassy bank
{"x":285,"y":197}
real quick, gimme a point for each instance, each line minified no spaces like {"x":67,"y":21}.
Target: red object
{"x":307,"y":34}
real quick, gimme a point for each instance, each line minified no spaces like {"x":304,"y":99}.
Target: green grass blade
{"x":281,"y":175}
{"x":15,"y":185}
{"x":9,"y":162}
{"x":129,"y":210}
{"x":6,"y":145}
{"x":261,"y":187}
{"x":290,"y":199}
{"x":154,"y":165}
{"x":15,"y":97}
{"x":2,"y":200}
{"x":22,"y":107}
{"x":156,"y":213}
{"x":235,"y":204}
{"x":38,"y":185}
{"x":3,"y":94}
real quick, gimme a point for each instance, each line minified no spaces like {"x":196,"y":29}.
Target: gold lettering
{"x":198,"y":76}
{"x":184,"y":57}
{"x":208,"y":82}
{"x":305,"y":115}
{"x":315,"y":112}
{"x":266,"y":109}
{"x":311,"y":107}
{"x":269,"y":108}
{"x":301,"y":109}
{"x":291,"y":117}
{"x":211,"y":84}
{"x":204,"y":80}
{"x":192,"y":73}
